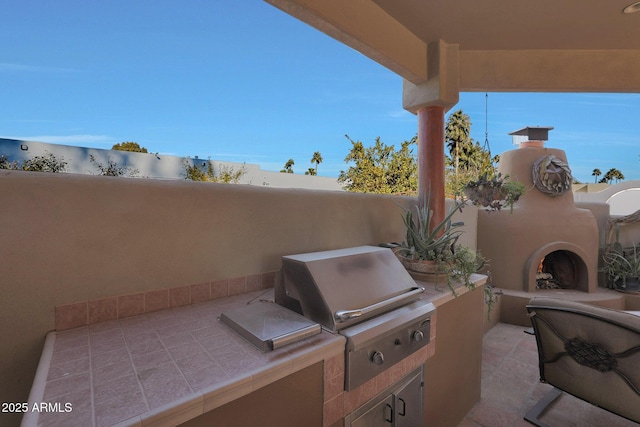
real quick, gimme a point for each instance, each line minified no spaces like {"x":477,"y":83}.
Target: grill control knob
{"x":418,"y":336}
{"x":377,"y":357}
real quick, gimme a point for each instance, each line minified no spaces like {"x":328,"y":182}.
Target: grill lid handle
{"x":342,"y":316}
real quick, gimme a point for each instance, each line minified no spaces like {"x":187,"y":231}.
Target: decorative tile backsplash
{"x":84,"y":313}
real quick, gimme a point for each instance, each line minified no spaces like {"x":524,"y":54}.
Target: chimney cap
{"x":534,"y":133}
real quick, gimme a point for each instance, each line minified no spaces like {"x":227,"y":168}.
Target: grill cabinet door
{"x":381,"y":415}
{"x":400,"y":406}
{"x":408,"y":403}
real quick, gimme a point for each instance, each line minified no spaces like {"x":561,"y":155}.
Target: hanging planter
{"x":492,"y":190}
{"x":493,"y":193}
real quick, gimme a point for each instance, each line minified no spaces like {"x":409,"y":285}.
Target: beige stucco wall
{"x":68,"y":238}
{"x":623,"y":196}
{"x":628,"y":233}
{"x":452,"y":377}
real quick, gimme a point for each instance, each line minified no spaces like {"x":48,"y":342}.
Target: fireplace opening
{"x":558,"y":270}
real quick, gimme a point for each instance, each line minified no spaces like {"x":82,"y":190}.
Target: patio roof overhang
{"x":442,"y":48}
{"x":502,"y":45}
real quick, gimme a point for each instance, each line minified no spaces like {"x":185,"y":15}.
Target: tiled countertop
{"x":160,"y":368}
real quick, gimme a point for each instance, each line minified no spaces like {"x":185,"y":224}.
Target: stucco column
{"x":431,"y":159}
{"x":430,"y":100}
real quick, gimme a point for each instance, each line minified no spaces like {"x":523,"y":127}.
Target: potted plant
{"x":494,"y":193}
{"x":622,"y":267}
{"x":431,"y":252}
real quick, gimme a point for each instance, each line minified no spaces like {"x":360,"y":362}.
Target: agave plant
{"x":427,"y":242}
{"x":438,"y":244}
{"x":622,"y":266}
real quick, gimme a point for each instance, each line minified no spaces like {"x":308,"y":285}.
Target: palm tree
{"x":317,"y":159}
{"x":610,"y":175}
{"x":457,"y":133}
{"x":596,"y":172}
{"x":288,"y":167}
{"x":617,"y":175}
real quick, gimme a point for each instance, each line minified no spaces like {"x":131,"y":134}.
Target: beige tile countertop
{"x":160,"y":368}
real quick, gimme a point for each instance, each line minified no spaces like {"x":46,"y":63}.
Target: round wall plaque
{"x":552,"y":176}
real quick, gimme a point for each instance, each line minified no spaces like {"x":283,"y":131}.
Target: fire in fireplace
{"x":558,"y":270}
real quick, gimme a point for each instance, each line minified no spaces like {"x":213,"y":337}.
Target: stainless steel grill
{"x":365,"y":294}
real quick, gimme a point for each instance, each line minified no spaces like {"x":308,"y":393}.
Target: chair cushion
{"x":590,"y":352}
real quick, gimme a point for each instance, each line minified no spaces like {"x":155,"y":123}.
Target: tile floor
{"x":511,"y":386}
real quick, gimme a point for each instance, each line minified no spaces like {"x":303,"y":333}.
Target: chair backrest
{"x":590,"y":352}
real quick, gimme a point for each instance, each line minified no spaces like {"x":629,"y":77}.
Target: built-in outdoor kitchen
{"x":143,"y":342}
{"x":348,"y":329}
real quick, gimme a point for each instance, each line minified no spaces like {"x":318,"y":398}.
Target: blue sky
{"x":242,"y":81}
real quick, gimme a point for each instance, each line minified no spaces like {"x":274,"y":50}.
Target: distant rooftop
{"x":158,"y":166}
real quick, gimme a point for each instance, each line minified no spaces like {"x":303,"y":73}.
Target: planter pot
{"x":423,"y":270}
{"x":633,"y":285}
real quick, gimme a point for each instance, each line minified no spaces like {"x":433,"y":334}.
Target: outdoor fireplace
{"x":546,"y":242}
{"x":560,"y":270}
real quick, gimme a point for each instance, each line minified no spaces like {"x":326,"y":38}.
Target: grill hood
{"x":343,"y":287}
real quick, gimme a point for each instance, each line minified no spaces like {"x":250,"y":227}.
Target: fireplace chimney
{"x":531,"y":136}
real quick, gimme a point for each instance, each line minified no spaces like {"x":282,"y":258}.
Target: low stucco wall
{"x":452,"y":377}
{"x":622,"y":197}
{"x":628,"y":233}
{"x":68,"y":238}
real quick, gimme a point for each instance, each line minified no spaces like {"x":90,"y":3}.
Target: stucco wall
{"x":622,"y":197}
{"x":452,"y":377}
{"x":67,"y":238}
{"x":628,"y":233}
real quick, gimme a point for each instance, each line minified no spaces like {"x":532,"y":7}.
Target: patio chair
{"x":590,"y":352}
